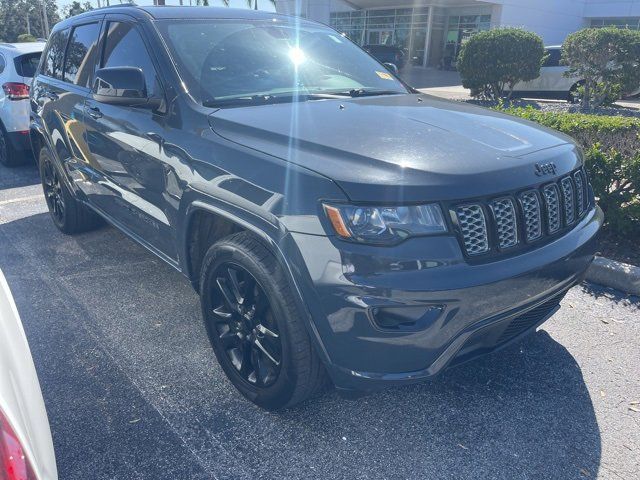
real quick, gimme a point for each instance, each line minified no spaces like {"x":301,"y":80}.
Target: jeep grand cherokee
{"x":336,"y":223}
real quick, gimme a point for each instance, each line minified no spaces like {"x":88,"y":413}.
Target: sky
{"x":262,"y":4}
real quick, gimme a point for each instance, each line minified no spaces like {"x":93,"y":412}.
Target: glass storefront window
{"x":406,"y":28}
{"x":628,"y":22}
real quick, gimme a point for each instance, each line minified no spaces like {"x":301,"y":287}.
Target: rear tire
{"x":9,"y":157}
{"x":68,"y":214}
{"x":289,"y":371}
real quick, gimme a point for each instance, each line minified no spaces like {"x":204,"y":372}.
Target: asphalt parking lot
{"x":133,"y":390}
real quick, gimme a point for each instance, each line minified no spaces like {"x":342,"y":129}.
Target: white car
{"x":26,"y":449}
{"x":552,"y":82}
{"x":18,"y":63}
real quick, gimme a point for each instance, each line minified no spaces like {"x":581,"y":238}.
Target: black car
{"x":337,"y":224}
{"x":388,"y":54}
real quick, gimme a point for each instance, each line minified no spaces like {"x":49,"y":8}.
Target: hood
{"x":400,"y":147}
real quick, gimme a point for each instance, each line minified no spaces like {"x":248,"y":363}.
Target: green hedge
{"x":612,"y":156}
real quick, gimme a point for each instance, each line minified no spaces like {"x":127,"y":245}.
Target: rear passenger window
{"x":124,"y":48}
{"x":3,"y":63}
{"x":27,"y":64}
{"x":81,"y":54}
{"x":55,"y":54}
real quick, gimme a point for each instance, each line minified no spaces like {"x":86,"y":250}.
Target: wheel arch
{"x":205,"y":224}
{"x":277,"y":244}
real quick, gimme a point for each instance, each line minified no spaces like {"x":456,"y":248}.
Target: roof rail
{"x":7,"y":44}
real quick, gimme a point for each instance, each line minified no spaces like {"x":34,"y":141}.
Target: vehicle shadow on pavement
{"x":19,"y":176}
{"x":524,"y":412}
{"x":133,"y":390}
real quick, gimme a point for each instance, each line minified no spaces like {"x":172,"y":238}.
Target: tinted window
{"x":242,"y":60}
{"x":55,"y":54}
{"x":27,"y":64}
{"x":81,"y":54}
{"x":124,"y":48}
{"x":553,"y":58}
{"x":3,"y":64}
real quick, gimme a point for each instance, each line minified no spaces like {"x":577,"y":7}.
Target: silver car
{"x":26,"y":448}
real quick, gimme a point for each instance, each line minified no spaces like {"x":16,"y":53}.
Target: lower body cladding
{"x":394,"y":315}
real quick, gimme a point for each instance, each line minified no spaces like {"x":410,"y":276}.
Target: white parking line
{"x":21,"y":199}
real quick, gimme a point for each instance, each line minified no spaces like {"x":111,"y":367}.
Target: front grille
{"x":567,"y":197}
{"x":504,"y":214}
{"x":524,"y":217}
{"x":552,"y":201}
{"x":532,"y":215}
{"x":580,"y":192}
{"x":474,"y":229}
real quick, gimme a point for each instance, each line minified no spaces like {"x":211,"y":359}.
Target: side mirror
{"x":391,"y":67}
{"x":124,"y":86}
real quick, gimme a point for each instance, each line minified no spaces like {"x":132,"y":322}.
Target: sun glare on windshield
{"x":297,"y":56}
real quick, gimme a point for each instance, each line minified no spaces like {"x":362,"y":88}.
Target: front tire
{"x":255,"y":326}
{"x":68,"y":214}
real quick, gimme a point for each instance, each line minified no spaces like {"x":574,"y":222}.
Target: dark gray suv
{"x":338,"y":225}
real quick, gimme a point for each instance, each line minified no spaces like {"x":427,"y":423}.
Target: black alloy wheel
{"x":53,"y":192}
{"x":245,"y":325}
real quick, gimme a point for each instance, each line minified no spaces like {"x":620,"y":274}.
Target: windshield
{"x":228,"y":62}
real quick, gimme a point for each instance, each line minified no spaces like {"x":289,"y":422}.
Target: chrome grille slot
{"x":473,"y":228}
{"x":532,"y":218}
{"x":581,"y":192}
{"x":504,"y":214}
{"x":552,"y":202}
{"x":567,"y":200}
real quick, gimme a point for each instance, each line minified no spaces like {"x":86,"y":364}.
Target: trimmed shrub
{"x":612,"y":157}
{"x":25,"y":37}
{"x":608,"y":59}
{"x":493,"y":61}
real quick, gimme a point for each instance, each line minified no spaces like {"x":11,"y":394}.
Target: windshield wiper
{"x":268,"y":99}
{"x":370,"y":92}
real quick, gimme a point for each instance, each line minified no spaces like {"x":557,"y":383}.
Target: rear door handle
{"x":94,"y":112}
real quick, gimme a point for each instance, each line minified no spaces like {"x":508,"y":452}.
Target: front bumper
{"x":449,"y":311}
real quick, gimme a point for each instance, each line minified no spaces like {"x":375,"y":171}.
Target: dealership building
{"x":433,"y":30}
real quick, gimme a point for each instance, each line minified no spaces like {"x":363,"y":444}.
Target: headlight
{"x":385,"y":225}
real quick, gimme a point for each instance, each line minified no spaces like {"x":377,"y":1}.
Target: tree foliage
{"x":608,"y":59}
{"x":25,"y":37}
{"x":16,"y":16}
{"x":493,"y":61}
{"x":76,"y":8}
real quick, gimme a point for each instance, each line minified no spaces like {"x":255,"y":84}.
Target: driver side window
{"x":124,"y":48}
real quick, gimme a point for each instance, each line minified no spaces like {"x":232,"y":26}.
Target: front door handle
{"x":94,"y":112}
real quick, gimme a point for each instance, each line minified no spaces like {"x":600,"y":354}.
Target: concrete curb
{"x":610,"y":273}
